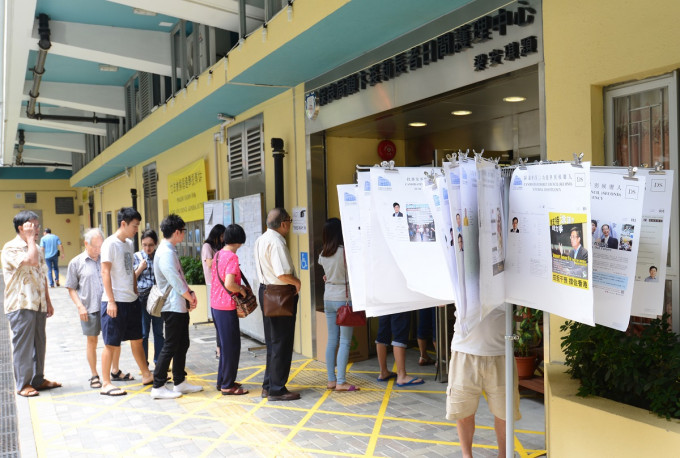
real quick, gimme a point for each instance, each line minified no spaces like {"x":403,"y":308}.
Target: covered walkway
{"x":380,"y":420}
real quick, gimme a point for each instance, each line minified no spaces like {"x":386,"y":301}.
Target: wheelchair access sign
{"x":304,"y":260}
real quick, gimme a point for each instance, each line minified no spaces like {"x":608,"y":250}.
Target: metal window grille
{"x":64,"y":205}
{"x":31,"y":197}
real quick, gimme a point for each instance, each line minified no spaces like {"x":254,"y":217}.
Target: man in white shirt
{"x":275,"y":267}
{"x":121,"y":312}
{"x":478,"y":364}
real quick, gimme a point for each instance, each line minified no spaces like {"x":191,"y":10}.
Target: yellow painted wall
{"x":46,"y":191}
{"x":343,"y":154}
{"x":587,"y":47}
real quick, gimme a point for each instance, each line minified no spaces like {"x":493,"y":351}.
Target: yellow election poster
{"x":569,"y":255}
{"x":187,"y":190}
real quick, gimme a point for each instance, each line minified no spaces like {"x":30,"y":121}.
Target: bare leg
{"x":466,"y":431}
{"x":115,"y":360}
{"x":400,"y":359}
{"x":107,"y":355}
{"x":91,"y":353}
{"x":499,"y":426}
{"x":424,"y":357}
{"x":140,"y":358}
{"x":381,"y":350}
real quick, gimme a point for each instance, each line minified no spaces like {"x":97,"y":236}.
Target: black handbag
{"x":244,"y":305}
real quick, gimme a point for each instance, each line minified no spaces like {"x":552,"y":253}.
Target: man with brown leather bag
{"x":278,"y":295}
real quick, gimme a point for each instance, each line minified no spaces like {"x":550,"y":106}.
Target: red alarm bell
{"x":387,"y":150}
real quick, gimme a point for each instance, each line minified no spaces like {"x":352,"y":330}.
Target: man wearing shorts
{"x":84,"y":284}
{"x":478,"y":364}
{"x":121,"y":312}
{"x":393,"y":330}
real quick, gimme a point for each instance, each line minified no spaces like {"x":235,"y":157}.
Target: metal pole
{"x":278,"y":179}
{"x":509,"y":383}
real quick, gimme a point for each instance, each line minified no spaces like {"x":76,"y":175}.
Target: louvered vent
{"x":145,"y":94}
{"x":235,"y":157}
{"x":150,"y":183}
{"x":130,"y":105}
{"x":31,"y":197}
{"x":254,"y":138}
{"x":64,"y":205}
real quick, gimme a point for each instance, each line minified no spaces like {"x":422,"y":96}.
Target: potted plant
{"x":528,"y":330}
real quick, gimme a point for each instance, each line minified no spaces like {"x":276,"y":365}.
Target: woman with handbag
{"x":336,"y":295}
{"x":212,"y":245}
{"x":226,"y":276}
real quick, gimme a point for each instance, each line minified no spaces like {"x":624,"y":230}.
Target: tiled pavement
{"x":380,"y":420}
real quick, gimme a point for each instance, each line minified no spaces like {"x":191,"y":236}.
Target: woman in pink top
{"x":212,"y":245}
{"x":226,"y":280}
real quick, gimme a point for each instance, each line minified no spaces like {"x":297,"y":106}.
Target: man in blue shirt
{"x":51,"y":246}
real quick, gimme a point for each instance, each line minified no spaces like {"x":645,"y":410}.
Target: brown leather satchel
{"x":278,"y":300}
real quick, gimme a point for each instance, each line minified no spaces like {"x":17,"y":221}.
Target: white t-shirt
{"x":334,"y":269}
{"x":120,"y":255}
{"x":487,"y":338}
{"x":272,"y":258}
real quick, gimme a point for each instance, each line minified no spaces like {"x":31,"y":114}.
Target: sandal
{"x":113,"y":392}
{"x":48,"y":385}
{"x":234,"y":391}
{"x":426,"y":361}
{"x":350,"y":388}
{"x":120,"y":377}
{"x":28,"y":392}
{"x":95,"y":382}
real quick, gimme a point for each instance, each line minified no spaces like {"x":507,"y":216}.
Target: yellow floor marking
{"x":37,"y":430}
{"x":254,"y":374}
{"x":233,"y":428}
{"x":302,"y":422}
{"x":299,"y":369}
{"x":381,"y":414}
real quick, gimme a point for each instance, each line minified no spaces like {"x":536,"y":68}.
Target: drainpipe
{"x":133,"y":193}
{"x":277,"y":147}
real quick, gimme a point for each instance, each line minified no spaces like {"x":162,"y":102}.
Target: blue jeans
{"x":149,"y":322}
{"x":335,"y":333}
{"x":52,"y":265}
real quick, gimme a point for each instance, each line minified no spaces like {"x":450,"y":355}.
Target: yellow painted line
{"x":299,"y":369}
{"x":538,"y":453}
{"x":37,"y":430}
{"x":233,"y":428}
{"x":381,"y":414}
{"x":519,"y":448}
{"x":302,"y":422}
{"x":254,"y":374}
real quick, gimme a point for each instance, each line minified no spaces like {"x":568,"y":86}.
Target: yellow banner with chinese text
{"x":187,"y":190}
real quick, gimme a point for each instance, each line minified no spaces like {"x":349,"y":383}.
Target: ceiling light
{"x":417,"y":124}
{"x":107,"y":68}
{"x":165,"y":24}
{"x":461,"y":112}
{"x":143,"y":12}
{"x":514,"y":99}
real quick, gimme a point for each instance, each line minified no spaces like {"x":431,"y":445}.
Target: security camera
{"x":224,"y":117}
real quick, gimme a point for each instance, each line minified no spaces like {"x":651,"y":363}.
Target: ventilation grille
{"x":31,"y":197}
{"x":235,"y":157}
{"x":150,"y":182}
{"x":130,"y":105}
{"x":63,"y":205}
{"x":145,"y":94}
{"x":254,"y":139}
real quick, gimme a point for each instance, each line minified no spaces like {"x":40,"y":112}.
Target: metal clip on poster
{"x":522,"y":164}
{"x":631,"y":173}
{"x":389,"y":166}
{"x":658,"y":169}
{"x":463,"y":157}
{"x":578,"y":158}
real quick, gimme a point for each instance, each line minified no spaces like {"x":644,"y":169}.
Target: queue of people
{"x":110,"y":284}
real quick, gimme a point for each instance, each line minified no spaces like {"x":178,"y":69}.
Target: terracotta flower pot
{"x":526,"y":365}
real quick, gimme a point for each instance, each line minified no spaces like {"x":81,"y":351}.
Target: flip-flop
{"x":351,"y":388}
{"x":392,"y":375}
{"x":411,"y":382}
{"x":120,"y":377}
{"x":48,"y":385}
{"x":95,"y":382}
{"x":114,"y":392}
{"x":426,"y":361}
{"x":28,"y":392}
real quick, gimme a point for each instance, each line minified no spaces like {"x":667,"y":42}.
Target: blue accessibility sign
{"x":304,"y":260}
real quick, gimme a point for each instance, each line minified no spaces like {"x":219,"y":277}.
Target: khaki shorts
{"x":469,"y":375}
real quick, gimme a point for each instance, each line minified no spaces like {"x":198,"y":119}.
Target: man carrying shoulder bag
{"x":275,"y":268}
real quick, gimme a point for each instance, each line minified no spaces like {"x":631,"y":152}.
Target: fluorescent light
{"x":165,"y":24}
{"x":417,"y":124}
{"x":143,"y":12}
{"x":107,"y":68}
{"x":514,"y":99}
{"x":461,"y":112}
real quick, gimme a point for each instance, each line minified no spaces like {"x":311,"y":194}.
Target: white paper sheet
{"x":548,"y":266}
{"x":616,"y":205}
{"x":649,"y":288}
{"x":492,"y":236}
{"x":351,"y":232}
{"x":409,"y":235}
{"x":470,"y":249}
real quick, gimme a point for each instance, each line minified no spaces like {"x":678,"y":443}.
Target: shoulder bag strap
{"x":217,"y":270}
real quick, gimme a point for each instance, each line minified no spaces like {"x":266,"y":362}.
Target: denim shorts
{"x":394,"y":329}
{"x":127,"y":325}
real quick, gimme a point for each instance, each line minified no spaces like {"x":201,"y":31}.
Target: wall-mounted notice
{"x":548,"y":266}
{"x":187,"y":190}
{"x":616,"y":206}
{"x":299,"y":220}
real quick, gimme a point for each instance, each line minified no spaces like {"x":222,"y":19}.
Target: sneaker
{"x":164,"y":393}
{"x":186,"y":388}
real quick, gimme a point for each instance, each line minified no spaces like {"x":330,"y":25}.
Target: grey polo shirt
{"x":85,"y":276}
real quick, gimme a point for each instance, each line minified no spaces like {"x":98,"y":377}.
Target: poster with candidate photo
{"x":616,"y":206}
{"x":547,"y":259}
{"x":469,"y":245}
